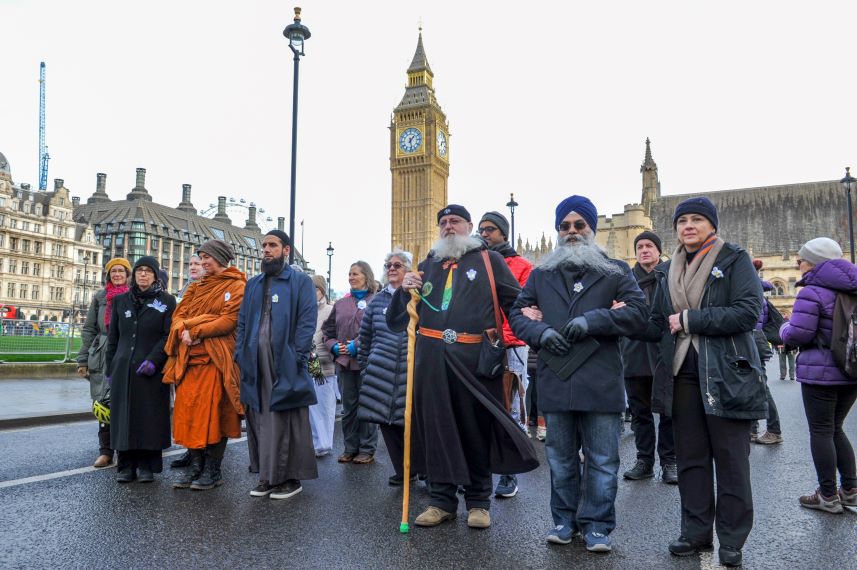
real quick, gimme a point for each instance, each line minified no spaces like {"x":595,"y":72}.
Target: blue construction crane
{"x":43,"y":149}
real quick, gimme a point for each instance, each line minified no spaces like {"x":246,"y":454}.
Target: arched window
{"x":779,"y":288}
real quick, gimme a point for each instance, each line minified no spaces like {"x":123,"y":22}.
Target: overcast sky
{"x":544,"y":99}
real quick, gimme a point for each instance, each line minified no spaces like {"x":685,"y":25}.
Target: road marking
{"x":80,"y":470}
{"x":706,"y":561}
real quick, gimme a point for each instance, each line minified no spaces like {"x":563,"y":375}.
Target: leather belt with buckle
{"x":449,"y":336}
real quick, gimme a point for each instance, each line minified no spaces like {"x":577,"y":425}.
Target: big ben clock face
{"x":441,"y":144}
{"x":410,"y":140}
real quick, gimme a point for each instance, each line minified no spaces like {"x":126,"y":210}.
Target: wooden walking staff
{"x":409,"y":404}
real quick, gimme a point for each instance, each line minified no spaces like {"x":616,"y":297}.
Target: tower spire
{"x":651,"y":184}
{"x":648,"y":161}
{"x":420,"y":62}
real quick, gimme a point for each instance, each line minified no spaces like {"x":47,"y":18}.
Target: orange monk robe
{"x":207,"y":406}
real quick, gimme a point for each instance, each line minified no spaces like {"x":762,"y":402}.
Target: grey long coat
{"x":94,"y":345}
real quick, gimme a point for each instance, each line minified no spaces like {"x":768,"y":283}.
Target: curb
{"x":51,"y":419}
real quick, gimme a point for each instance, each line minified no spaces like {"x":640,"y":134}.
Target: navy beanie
{"x":453,"y":210}
{"x":699,"y":205}
{"x":582,"y":206}
{"x":652,"y":237}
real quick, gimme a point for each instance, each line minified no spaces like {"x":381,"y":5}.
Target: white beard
{"x":454,"y":246}
{"x":581,"y":252}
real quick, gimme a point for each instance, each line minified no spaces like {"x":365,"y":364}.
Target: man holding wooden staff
{"x":461,"y":431}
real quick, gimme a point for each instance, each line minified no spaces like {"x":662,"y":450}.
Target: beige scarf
{"x":687,"y":284}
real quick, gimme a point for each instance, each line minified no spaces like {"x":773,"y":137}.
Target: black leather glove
{"x":575,"y":329}
{"x":553,"y":342}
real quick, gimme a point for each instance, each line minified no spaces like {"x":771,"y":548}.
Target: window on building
{"x":37,"y":247}
{"x":13,"y":243}
{"x":37,"y":228}
{"x":25,"y":289}
{"x":35,"y":294}
{"x":25,"y":226}
{"x":61,"y":272}
{"x":37,"y":269}
{"x":10,"y":289}
{"x":155,"y":245}
{"x":25,"y":246}
{"x":13,"y":223}
{"x":13,"y":266}
{"x":2,"y":201}
{"x":107,"y":241}
{"x":25,"y":268}
{"x":138,"y":226}
{"x":38,"y":210}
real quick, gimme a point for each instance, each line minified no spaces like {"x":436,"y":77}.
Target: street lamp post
{"x":329,"y":269}
{"x":848,"y":184}
{"x":511,"y":204}
{"x":296,"y":34}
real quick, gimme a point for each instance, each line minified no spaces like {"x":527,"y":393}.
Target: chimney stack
{"x":186,"y":205}
{"x":58,"y":182}
{"x":281,"y":224}
{"x":139,"y":191}
{"x":251,"y":224}
{"x":221,"y":214}
{"x":100,"y":190}
{"x":75,"y":201}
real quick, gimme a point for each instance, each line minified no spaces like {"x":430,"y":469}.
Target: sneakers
{"x":560,"y":534}
{"x":507,"y":487}
{"x":288,"y":489}
{"x":598,"y":542}
{"x":641,"y":470}
{"x":669,"y":473}
{"x":478,"y":518}
{"x":433,"y":516}
{"x":769,"y":438}
{"x":820,"y":502}
{"x":263,"y":489}
{"x":848,"y":498}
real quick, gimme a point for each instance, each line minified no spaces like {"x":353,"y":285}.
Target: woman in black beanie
{"x":140,"y":403}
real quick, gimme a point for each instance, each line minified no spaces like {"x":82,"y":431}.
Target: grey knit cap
{"x":221,"y":251}
{"x":819,"y":250}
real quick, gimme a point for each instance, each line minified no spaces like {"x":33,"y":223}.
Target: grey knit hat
{"x":498,"y":220}
{"x":819,"y":250}
{"x":221,"y":251}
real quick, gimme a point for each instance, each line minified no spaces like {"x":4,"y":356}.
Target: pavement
{"x":38,"y":401}
{"x":59,"y":512}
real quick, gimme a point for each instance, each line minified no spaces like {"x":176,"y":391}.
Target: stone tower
{"x":419,"y":160}
{"x":651,"y":184}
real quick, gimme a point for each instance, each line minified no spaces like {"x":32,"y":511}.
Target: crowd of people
{"x":504,"y":353}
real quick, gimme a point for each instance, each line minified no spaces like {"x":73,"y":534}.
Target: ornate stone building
{"x":419,"y":160}
{"x":50,"y":265}
{"x":770,"y":222}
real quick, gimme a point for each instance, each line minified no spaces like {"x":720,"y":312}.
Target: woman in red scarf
{"x":90,"y":359}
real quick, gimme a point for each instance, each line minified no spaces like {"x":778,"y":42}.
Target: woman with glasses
{"x":383,"y":359}
{"x":139,"y":402}
{"x":340,"y":332}
{"x":828,"y":392}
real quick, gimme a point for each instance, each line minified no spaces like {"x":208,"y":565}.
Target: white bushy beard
{"x":454,"y":246}
{"x":580,"y":252}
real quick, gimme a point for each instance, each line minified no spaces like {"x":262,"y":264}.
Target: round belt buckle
{"x":450,"y":336}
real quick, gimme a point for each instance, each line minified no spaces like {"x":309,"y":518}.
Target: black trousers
{"x":532,"y":394}
{"x":394,"y":437}
{"x":826,"y":408}
{"x":707,"y":445}
{"x":639,"y":390}
{"x":140,"y":459}
{"x":104,"y":440}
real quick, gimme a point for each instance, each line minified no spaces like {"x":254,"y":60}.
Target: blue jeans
{"x":588,"y":506}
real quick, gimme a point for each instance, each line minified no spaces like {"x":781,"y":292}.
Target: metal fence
{"x":38,"y":341}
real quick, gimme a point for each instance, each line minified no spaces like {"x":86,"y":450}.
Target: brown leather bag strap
{"x":497,"y":317}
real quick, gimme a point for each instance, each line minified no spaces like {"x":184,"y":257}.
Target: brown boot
{"x":433,"y":516}
{"x":103,"y":461}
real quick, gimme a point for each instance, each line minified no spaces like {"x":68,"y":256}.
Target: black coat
{"x":597,"y":385}
{"x":437,"y":442}
{"x":383,"y":359}
{"x":732,"y":380}
{"x":139,"y":405}
{"x":639,"y":357}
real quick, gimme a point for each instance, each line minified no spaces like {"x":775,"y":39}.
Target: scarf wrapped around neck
{"x":112,"y":292}
{"x":687,"y":285}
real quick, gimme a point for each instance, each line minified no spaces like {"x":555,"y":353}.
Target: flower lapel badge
{"x":158,"y":306}
{"x":128,"y":314}
{"x":578,"y":287}
{"x":471,"y":274}
{"x":717,"y":273}
{"x":361,"y":304}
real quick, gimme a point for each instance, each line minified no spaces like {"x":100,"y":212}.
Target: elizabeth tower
{"x":419,"y":160}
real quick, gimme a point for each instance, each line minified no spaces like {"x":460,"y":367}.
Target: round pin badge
{"x":427,"y":288}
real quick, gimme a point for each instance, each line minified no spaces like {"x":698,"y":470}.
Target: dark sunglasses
{"x":579,"y":225}
{"x":395,"y":265}
{"x":487,"y":229}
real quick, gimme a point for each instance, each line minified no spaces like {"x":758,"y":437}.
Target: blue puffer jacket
{"x":383,"y":359}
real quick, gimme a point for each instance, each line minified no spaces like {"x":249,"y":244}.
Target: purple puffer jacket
{"x":763,"y":316}
{"x":812,"y":316}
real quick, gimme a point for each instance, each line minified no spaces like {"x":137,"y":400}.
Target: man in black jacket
{"x":575,"y":287}
{"x":639,"y":358}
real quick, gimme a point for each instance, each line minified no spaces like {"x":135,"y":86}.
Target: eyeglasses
{"x":487,"y":229}
{"x":579,"y":225}
{"x":395,"y":266}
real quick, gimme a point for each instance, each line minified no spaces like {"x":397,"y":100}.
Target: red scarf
{"x":112,"y":291}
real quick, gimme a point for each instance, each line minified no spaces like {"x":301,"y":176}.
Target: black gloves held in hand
{"x":554,"y":342}
{"x":575,"y":329}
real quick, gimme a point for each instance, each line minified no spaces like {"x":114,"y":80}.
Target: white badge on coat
{"x":471,"y":274}
{"x":578,"y":287}
{"x":227,"y":296}
{"x":275,"y":298}
{"x":384,"y":311}
{"x":361,"y":304}
{"x":127,"y":314}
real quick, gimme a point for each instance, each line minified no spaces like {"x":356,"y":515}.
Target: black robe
{"x":439,"y":447}
{"x":139,"y":405}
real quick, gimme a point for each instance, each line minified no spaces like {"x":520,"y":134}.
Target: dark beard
{"x":273,"y":267}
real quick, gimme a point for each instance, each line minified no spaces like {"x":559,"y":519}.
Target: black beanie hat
{"x":150,"y":262}
{"x":498,"y":220}
{"x":699,"y":205}
{"x":453,"y":209}
{"x":281,"y":235}
{"x":652,"y":237}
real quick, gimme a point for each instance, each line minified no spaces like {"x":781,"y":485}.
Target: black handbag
{"x":492,"y":352}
